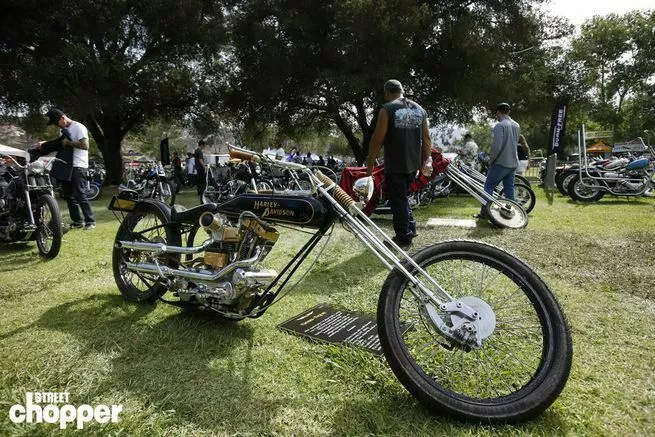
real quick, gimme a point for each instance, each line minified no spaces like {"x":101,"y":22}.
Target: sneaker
{"x":480,"y":216}
{"x":75,"y":226}
{"x":89,"y":226}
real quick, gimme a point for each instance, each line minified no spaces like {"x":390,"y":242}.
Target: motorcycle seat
{"x":179,"y":214}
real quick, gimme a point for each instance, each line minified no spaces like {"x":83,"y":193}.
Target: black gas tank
{"x":299,"y":210}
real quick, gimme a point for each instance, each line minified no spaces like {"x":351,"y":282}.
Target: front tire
{"x":147,"y":224}
{"x":521,"y":367}
{"x":49,"y":228}
{"x":506,"y":214}
{"x":93,"y":192}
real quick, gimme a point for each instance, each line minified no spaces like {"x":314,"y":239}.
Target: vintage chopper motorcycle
{"x":28,"y":210}
{"x":469,"y":329}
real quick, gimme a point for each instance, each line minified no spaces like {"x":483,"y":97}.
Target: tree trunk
{"x":108,"y":138}
{"x":352,"y":139}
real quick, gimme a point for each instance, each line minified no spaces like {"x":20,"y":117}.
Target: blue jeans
{"x":74,"y":191}
{"x":496,"y":174}
{"x":403,"y":220}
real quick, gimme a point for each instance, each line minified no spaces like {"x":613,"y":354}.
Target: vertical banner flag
{"x":557,"y":130}
{"x":165,"y":155}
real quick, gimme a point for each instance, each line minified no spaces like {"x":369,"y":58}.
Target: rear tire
{"x":49,"y":228}
{"x":521,"y":367}
{"x":525,"y":197}
{"x":582,"y":189}
{"x":147,"y":225}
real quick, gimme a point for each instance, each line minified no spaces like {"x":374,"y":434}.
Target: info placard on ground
{"x":335,"y":326}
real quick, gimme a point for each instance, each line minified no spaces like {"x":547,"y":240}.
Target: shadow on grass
{"x":192,"y":364}
{"x":610,"y":201}
{"x":18,"y":255}
{"x":379,"y":414}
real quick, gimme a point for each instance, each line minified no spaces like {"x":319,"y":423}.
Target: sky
{"x":579,"y":11}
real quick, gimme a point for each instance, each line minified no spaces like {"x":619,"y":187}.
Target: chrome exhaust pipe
{"x":203,"y":275}
{"x":162,"y":248}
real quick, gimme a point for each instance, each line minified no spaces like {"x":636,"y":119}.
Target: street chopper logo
{"x":33,"y":412}
{"x":273,"y":209}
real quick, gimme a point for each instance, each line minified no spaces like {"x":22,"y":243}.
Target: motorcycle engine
{"x":237,"y":251}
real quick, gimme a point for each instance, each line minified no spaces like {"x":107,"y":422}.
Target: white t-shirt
{"x":191,"y":166}
{"x":78,"y":131}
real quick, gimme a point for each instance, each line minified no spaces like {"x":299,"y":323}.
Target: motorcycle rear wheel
{"x":525,"y":197}
{"x":519,"y":370}
{"x":584,"y":189}
{"x":49,"y":227}
{"x":145,"y":225}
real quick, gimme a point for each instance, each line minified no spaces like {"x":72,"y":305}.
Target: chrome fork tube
{"x":388,"y":258}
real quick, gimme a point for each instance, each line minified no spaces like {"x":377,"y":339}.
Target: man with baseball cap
{"x":74,"y":136}
{"x":402,"y":126}
{"x":504,"y":158}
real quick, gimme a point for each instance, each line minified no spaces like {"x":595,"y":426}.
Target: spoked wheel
{"x":525,"y":197}
{"x":166,"y":192}
{"x":506,"y":214}
{"x":49,"y":228}
{"x":585,"y":189}
{"x":518,"y":179}
{"x":145,"y":225}
{"x":526,"y":352}
{"x":92,"y":192}
{"x":563,"y":179}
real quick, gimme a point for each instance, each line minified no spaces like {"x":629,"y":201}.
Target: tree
{"x":615,"y":57}
{"x":110,"y":64}
{"x":296,"y":62}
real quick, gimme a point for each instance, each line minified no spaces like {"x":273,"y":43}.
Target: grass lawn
{"x":64,"y":327}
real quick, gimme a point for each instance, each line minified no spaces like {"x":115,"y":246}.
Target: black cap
{"x":54,"y":114}
{"x":393,"y":86}
{"x":503,"y":107}
{"x":201,"y":142}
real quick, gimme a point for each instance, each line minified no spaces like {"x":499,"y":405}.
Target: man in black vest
{"x":402,"y":125}
{"x":200,"y":168}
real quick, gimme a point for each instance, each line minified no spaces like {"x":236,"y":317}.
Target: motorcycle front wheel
{"x":521,"y":367}
{"x":49,"y":228}
{"x":506,"y":214}
{"x":93,"y":192}
{"x":145,"y":225}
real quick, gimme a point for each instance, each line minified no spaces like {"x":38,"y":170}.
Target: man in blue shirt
{"x":504,"y":159}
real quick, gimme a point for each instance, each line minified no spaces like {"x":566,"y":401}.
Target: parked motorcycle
{"x":618,"y":176}
{"x":469,"y":329}
{"x":228,"y":180}
{"x":28,"y":210}
{"x":151,"y":183}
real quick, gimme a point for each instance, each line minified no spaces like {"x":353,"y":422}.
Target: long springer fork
{"x":373,"y":237}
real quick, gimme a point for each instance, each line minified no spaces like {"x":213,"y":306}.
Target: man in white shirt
{"x":76,"y":137}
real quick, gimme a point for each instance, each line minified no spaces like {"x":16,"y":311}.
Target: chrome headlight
{"x":36,"y":167}
{"x":258,"y":169}
{"x":363,"y":187}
